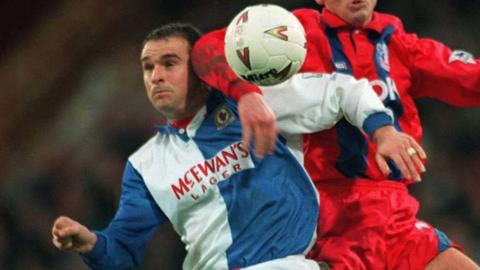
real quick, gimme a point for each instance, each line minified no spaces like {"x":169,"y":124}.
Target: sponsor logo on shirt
{"x":386,"y":90}
{"x":462,"y":56}
{"x":199,"y":179}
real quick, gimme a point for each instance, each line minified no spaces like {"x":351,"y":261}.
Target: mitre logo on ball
{"x":265,"y":44}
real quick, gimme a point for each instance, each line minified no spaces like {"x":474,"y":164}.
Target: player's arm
{"x":210,"y":64}
{"x":362,"y":108}
{"x":68,"y":234}
{"x":438,"y":72}
{"x":310,"y":102}
{"x":121,"y":245}
{"x":257,"y":118}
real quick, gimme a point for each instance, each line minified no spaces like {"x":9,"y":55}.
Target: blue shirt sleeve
{"x":122,"y":244}
{"x":376,"y":121}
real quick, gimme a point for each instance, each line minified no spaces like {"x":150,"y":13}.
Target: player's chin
{"x":159,"y":101}
{"x":167,"y":109}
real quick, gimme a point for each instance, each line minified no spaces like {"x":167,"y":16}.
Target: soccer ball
{"x":265,"y":44}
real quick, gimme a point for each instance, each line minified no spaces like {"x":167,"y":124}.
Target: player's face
{"x":355,"y":12}
{"x":169,"y":80}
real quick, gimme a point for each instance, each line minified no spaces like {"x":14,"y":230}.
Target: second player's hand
{"x":258,"y":121}
{"x":68,"y":234}
{"x":402,"y":149}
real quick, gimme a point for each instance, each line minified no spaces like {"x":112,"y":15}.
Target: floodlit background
{"x":72,"y":108}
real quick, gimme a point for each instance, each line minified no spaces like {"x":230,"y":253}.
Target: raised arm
{"x":256,"y":117}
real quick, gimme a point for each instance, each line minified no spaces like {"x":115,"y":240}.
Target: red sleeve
{"x":210,"y":65}
{"x":450,"y":76}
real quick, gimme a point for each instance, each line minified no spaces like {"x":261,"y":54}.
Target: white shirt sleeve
{"x":310,"y":102}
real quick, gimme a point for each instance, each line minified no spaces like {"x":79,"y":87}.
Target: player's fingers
{"x":68,"y":243}
{"x":269,"y":136}
{"x":416,"y":153}
{"x":382,"y":164}
{"x":401,"y":166}
{"x":421,"y":153}
{"x":68,"y":231}
{"x":55,"y":234}
{"x":54,"y":230}
{"x":260,"y":141}
{"x":265,"y":136}
{"x":56,"y":242}
{"x":62,"y":222}
{"x":408,"y":160}
{"x":418,"y":163}
{"x":271,"y":143}
{"x":246,"y":134}
{"x":62,"y":243}
{"x":59,"y":224}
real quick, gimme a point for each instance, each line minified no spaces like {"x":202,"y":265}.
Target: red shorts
{"x":372,"y":225}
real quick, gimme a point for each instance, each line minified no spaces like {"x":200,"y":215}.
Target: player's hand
{"x":68,"y":234}
{"x":258,"y":121}
{"x":407,"y":154}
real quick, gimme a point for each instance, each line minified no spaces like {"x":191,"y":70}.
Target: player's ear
{"x":320,"y":2}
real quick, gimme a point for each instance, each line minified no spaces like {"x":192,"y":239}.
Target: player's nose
{"x":157,"y":74}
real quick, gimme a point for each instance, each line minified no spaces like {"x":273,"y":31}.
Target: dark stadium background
{"x":72,"y":107}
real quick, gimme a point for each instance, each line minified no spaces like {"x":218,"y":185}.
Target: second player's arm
{"x":451,"y":76}
{"x":312,"y":102}
{"x":257,"y":119}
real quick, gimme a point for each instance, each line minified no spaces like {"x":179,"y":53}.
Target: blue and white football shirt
{"x":231,"y":209}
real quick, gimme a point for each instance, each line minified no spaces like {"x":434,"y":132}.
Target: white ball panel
{"x":275,"y":40}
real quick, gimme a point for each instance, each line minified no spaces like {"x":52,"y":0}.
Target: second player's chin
{"x":360,"y":18}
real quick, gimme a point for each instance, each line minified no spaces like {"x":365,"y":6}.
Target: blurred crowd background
{"x":73,"y":107}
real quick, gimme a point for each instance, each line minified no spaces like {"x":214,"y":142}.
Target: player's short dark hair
{"x":185,"y":30}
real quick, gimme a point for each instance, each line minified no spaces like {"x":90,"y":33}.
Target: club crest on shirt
{"x":340,"y":65}
{"x":462,"y":56}
{"x":382,"y":54}
{"x":223,"y":117}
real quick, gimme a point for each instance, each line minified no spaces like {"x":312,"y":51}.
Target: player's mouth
{"x":160,"y":93}
{"x":358,"y":4}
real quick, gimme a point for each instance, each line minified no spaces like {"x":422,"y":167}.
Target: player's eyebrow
{"x":170,"y":55}
{"x":163,"y":57}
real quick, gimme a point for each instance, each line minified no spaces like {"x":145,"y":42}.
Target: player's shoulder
{"x":307,"y":15}
{"x":144,"y":152}
{"x":306,"y":12}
